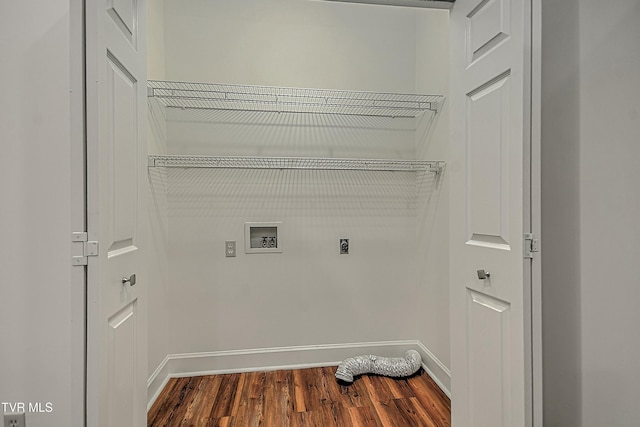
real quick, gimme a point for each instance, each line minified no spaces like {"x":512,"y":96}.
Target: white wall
{"x":41,"y":294}
{"x":561,"y":255}
{"x":432,"y":76}
{"x":610,"y":208}
{"x":291,"y":43}
{"x":309,"y":294}
{"x":591,"y":167}
{"x":157,"y":252}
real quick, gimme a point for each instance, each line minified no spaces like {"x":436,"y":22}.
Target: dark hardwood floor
{"x":300,"y":398}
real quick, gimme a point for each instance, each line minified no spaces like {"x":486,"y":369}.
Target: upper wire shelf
{"x":211,"y":96}
{"x":248,"y":162}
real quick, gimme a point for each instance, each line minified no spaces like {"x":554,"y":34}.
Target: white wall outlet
{"x":14,"y":420}
{"x":230,"y":248}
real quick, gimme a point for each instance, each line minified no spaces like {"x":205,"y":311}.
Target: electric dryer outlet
{"x":344,"y":246}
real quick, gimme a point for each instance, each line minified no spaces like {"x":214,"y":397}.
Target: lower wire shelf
{"x":249,"y":162}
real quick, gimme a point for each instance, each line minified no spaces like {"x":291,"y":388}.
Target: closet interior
{"x":296,"y":125}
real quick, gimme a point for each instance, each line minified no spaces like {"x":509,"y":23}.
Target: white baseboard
{"x":157,"y":381}
{"x":298,"y":357}
{"x":436,"y":369}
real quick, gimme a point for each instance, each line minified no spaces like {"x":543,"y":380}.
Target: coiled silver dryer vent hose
{"x":388,"y":366}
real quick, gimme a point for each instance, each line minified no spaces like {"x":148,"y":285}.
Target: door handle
{"x":131,"y":280}
{"x":483,"y":275}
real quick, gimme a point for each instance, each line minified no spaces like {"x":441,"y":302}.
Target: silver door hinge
{"x":89,"y":248}
{"x":531,"y":245}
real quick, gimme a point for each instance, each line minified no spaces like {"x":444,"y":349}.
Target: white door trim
{"x":78,"y":211}
{"x":536,"y":212}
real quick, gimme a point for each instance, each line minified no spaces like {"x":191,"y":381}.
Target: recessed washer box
{"x":262,"y":237}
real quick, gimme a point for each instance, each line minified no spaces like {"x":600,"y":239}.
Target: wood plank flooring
{"x":300,"y":398}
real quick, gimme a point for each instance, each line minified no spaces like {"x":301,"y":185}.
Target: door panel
{"x":123,"y":347}
{"x":489,"y":75}
{"x":121,"y":127}
{"x":487,"y":25}
{"x":488,"y":164}
{"x":488,"y":343}
{"x":124,"y":14}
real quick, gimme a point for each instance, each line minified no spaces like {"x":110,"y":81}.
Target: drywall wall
{"x":291,"y":43}
{"x":560,"y":150}
{"x":432,"y":233}
{"x":157,"y":251}
{"x":41,"y":294}
{"x":155,"y":42}
{"x":609,"y":211}
{"x":309,"y":294}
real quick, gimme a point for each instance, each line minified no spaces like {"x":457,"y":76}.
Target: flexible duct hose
{"x":388,"y":366}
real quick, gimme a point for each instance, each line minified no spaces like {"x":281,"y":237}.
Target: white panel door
{"x":116,"y":170}
{"x":490,"y":129}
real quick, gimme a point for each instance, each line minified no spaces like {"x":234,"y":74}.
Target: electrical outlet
{"x":230,"y":248}
{"x":14,"y":420}
{"x":344,"y":246}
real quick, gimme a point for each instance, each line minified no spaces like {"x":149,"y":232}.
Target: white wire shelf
{"x":211,"y":96}
{"x":244,"y":162}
